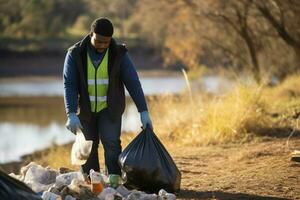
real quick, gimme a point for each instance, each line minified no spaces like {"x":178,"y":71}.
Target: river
{"x":26,"y":126}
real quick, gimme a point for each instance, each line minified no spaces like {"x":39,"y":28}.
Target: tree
{"x":38,"y":18}
{"x":118,"y":11}
{"x":237,"y":34}
{"x":236,"y":14}
{"x":284,"y":17}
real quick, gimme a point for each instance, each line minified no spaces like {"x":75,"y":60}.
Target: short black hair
{"x":102,"y":26}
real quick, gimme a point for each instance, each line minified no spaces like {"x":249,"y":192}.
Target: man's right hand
{"x":73,"y":123}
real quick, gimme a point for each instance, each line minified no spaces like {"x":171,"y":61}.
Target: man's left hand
{"x":145,"y":119}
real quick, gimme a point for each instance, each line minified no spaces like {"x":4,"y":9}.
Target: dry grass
{"x":210,"y":120}
{"x":235,"y":117}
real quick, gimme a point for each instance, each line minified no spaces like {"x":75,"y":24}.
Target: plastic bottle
{"x":96,"y":182}
{"x":115,"y":180}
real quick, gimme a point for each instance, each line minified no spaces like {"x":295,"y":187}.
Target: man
{"x":95,"y":72}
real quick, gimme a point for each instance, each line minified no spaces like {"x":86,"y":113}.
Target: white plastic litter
{"x":138,"y":195}
{"x":69,"y":185}
{"x":66,"y":179}
{"x":81,"y":149}
{"x":96,"y":177}
{"x":107,"y":193}
{"x":69,"y":197}
{"x":19,"y":177}
{"x":123,"y":191}
{"x":149,"y":197}
{"x":24,"y":169}
{"x":39,"y":178}
{"x":110,"y":197}
{"x":50,"y":196}
{"x":165,"y":195}
{"x":76,"y":184}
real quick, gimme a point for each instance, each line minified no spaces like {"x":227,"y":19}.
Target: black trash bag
{"x":148,"y":166}
{"x":11,"y":188}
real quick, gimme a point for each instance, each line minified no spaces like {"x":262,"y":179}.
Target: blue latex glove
{"x":73,"y":123}
{"x":145,"y":119}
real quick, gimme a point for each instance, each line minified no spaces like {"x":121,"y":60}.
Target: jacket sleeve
{"x":132,"y":83}
{"x":70,"y":80}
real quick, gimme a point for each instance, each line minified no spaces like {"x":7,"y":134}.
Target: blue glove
{"x":145,"y":119}
{"x":73,"y":123}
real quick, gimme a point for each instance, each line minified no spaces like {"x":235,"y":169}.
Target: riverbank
{"x":156,"y":73}
{"x":229,"y":146}
{"x":256,"y":170}
{"x":45,"y":63}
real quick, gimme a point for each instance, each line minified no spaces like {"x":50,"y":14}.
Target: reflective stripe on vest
{"x":97,"y":83}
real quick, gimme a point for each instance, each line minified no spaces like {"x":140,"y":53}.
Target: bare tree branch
{"x":279,"y":26}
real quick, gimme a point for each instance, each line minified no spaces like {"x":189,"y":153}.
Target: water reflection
{"x":20,"y":139}
{"x":32,"y":123}
{"x":151,"y":85}
{"x":33,"y":114}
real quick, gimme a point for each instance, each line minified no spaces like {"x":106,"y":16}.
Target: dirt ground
{"x":260,"y":170}
{"x":250,"y":171}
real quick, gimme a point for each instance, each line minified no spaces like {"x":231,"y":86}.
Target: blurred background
{"x":241,"y":60}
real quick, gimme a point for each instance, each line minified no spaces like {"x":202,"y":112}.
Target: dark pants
{"x":102,"y":128}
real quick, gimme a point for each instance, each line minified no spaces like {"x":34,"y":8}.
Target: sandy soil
{"x":250,"y":171}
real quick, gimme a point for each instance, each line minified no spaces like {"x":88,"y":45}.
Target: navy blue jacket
{"x":128,"y":76}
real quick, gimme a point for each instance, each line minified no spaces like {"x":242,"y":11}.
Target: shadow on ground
{"x":191,"y":194}
{"x":278,"y":132}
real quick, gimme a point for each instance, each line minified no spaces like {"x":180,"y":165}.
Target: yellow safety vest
{"x":97,"y":83}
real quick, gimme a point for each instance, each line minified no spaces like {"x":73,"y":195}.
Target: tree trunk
{"x":253,"y":54}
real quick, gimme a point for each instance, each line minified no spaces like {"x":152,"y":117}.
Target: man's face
{"x":99,"y":42}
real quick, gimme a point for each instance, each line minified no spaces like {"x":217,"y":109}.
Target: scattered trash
{"x":147,"y":165}
{"x":165,"y":195}
{"x":66,"y":179}
{"x":96,"y":182}
{"x":81,"y":149}
{"x":50,"y":196}
{"x":63,"y":170}
{"x":69,"y":197}
{"x":123,"y":191}
{"x":49,"y":184}
{"x":76,"y":185}
{"x":77,"y":189}
{"x":11,"y":188}
{"x":138,"y":195}
{"x":39,"y":178}
{"x":295,"y":156}
{"x":18,"y":177}
{"x":108,"y":193}
{"x":115,"y":180}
